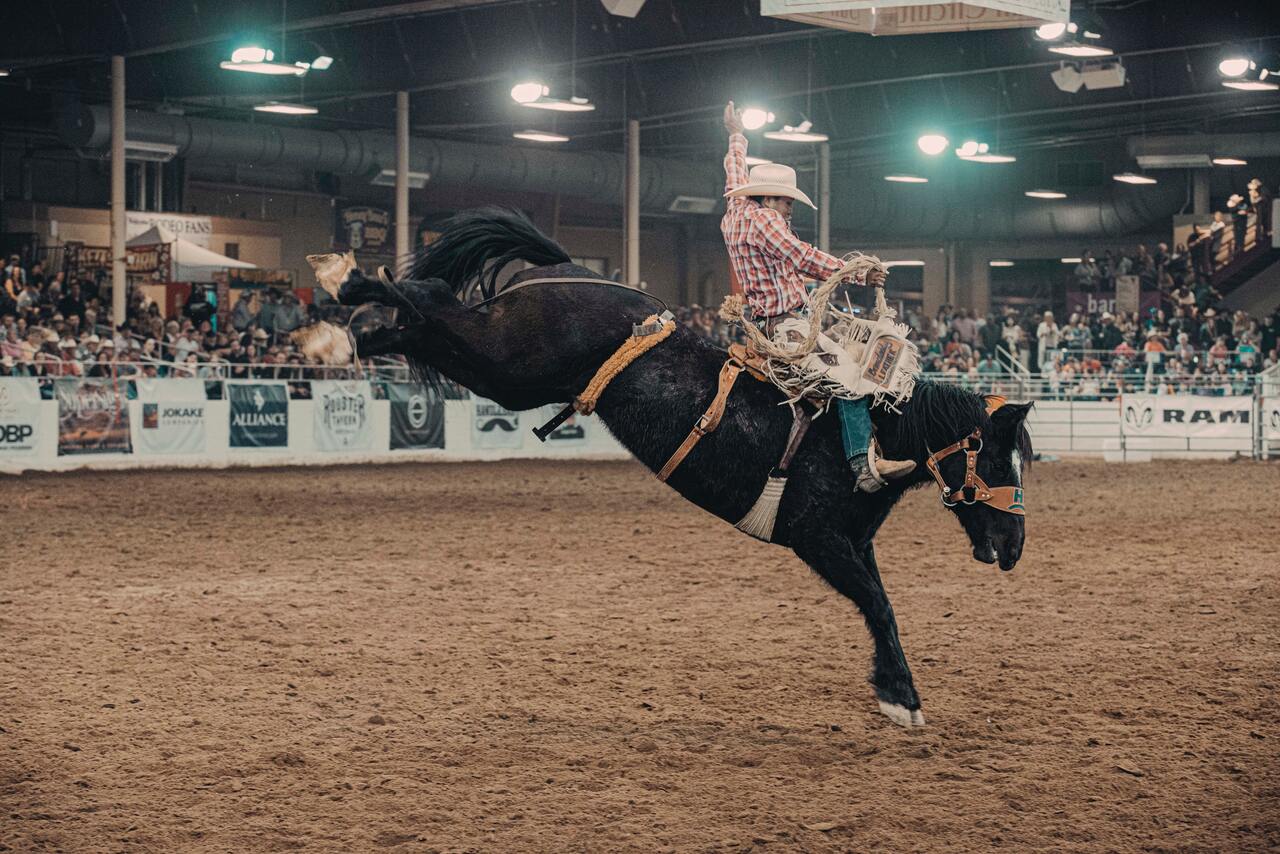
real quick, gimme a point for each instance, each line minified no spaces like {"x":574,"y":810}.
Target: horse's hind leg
{"x":853,"y":572}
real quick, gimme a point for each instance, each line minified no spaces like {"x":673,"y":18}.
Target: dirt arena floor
{"x":568,"y":657}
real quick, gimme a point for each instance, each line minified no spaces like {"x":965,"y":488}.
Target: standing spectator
{"x":1260,"y":200}
{"x":246,"y":310}
{"x":1086,"y":272}
{"x":13,"y":270}
{"x":1048,"y":337}
{"x":289,"y":316}
{"x":1239,"y":207}
{"x":72,"y":303}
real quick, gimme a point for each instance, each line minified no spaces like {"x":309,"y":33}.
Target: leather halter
{"x":974,"y":491}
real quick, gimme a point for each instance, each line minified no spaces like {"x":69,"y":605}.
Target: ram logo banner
{"x":1187,"y":416}
{"x":492,"y":426}
{"x":259,"y":415}
{"x":19,"y":417}
{"x":417,"y":417}
{"x":342,"y":415}
{"x":93,"y":417}
{"x":173,"y":416}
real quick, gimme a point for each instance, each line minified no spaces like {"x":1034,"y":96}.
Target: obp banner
{"x":259,"y":415}
{"x":20,"y":433}
{"x":417,"y":417}
{"x":173,"y":416}
{"x":343,"y":410}
{"x":93,"y":416}
{"x":1187,"y":416}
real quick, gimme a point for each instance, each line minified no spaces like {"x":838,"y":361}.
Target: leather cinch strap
{"x":710,"y":419}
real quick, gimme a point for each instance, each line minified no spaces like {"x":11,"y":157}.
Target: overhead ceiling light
{"x":258,"y":60}
{"x":1234,"y":66}
{"x":151,"y":152}
{"x":933,"y":144}
{"x":908,"y":263}
{"x":321,"y":63}
{"x":561,"y":105}
{"x":540,"y":136}
{"x":999,"y":263}
{"x":757,"y":161}
{"x":1045,"y":194}
{"x":693,"y":205}
{"x":528,"y":92}
{"x":1067,"y":78}
{"x":286,"y":108}
{"x":1174,"y":161}
{"x":754,"y":118}
{"x":991,"y":157}
{"x":906,"y":179}
{"x":1251,"y":85}
{"x":387,"y":178}
{"x":1081,"y":51}
{"x":1051,"y":32}
{"x":1106,"y":74}
{"x":1133,"y":178}
{"x":1229,"y":161}
{"x":1071,"y":260}
{"x":4,"y":72}
{"x":802,"y":132}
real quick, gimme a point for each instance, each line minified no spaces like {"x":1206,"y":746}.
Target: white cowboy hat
{"x":771,"y":179}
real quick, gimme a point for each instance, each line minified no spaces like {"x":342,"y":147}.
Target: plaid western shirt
{"x":766,"y":256}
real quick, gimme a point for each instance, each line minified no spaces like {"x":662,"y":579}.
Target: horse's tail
{"x":475,"y":245}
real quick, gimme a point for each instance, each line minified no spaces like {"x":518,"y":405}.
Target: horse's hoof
{"x":332,"y":269}
{"x":902,"y":716}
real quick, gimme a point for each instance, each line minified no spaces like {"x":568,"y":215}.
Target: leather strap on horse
{"x":710,"y":419}
{"x":1007,"y":499}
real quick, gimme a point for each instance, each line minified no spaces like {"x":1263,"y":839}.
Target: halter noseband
{"x":1007,"y":499}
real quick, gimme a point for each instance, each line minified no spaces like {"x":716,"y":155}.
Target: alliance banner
{"x":1187,"y":416}
{"x":20,"y":433}
{"x":173,"y":416}
{"x":417,"y":417}
{"x":93,"y":417}
{"x":492,"y":426}
{"x":342,"y":415}
{"x":259,"y":415}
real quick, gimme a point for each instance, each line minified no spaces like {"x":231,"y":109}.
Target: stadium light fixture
{"x":1080,"y":50}
{"x":1230,"y":161}
{"x":910,"y":262}
{"x":802,"y":132}
{"x":321,"y":63}
{"x":1071,"y":260}
{"x":1251,"y":85}
{"x":754,"y":118}
{"x":1045,"y":194}
{"x":1133,"y":178}
{"x":286,"y":108}
{"x":1051,"y":32}
{"x":259,"y":60}
{"x":903,"y":178}
{"x":528,"y":92}
{"x":999,"y":263}
{"x":757,"y":161}
{"x":540,"y":136}
{"x":980,"y":152}
{"x":933,"y":144}
{"x":1235,"y":66}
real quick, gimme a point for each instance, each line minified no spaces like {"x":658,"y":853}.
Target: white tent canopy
{"x":191,"y":263}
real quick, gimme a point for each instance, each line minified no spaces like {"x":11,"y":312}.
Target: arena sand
{"x":568,"y":657}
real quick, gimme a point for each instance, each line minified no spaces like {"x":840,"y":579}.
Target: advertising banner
{"x":173,"y":416}
{"x":1187,"y":416}
{"x":1270,"y":419}
{"x":93,"y":417}
{"x":362,"y":229}
{"x":417,"y":417}
{"x":192,"y":227}
{"x":259,"y":415}
{"x":1091,"y":303}
{"x":19,"y":417}
{"x":1128,"y":294}
{"x":342,"y":415}
{"x":494,"y":427}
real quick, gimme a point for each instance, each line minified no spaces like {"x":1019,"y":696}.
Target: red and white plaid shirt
{"x":771,"y":263}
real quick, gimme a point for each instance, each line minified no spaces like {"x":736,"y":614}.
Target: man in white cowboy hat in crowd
{"x":770,"y":266}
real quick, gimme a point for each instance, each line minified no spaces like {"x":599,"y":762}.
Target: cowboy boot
{"x":873,"y":473}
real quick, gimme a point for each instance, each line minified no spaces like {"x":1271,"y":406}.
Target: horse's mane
{"x":941,"y":413}
{"x":475,"y":245}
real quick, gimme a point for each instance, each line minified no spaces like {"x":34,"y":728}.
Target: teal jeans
{"x":855,"y":426}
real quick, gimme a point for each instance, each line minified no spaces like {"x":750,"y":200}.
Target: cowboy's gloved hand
{"x":732,"y":119}
{"x":876,"y":278}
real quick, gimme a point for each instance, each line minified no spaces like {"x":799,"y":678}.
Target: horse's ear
{"x":1009,"y":417}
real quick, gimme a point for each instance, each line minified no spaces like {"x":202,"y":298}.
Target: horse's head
{"x":981,"y":481}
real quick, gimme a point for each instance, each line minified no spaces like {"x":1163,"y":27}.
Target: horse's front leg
{"x":853,"y":572}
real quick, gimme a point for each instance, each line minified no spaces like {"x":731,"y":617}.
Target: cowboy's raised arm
{"x":735,"y":162}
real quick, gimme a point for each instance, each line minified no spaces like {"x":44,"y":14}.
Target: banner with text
{"x":417,"y":417}
{"x":259,"y":415}
{"x":1187,"y":416}
{"x":20,"y":433}
{"x":93,"y":417}
{"x":173,"y":416}
{"x":342,"y":415}
{"x":493,"y":426}
{"x":1271,"y":419}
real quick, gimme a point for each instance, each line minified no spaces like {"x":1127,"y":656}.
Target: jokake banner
{"x":173,"y":416}
{"x":93,"y":416}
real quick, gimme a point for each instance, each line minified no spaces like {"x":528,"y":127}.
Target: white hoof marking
{"x":332,"y":269}
{"x":900,"y":715}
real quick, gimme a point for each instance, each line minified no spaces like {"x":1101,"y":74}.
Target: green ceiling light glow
{"x":259,"y":60}
{"x":933,"y":144}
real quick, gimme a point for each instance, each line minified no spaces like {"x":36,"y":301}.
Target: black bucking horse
{"x":541,"y":344}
